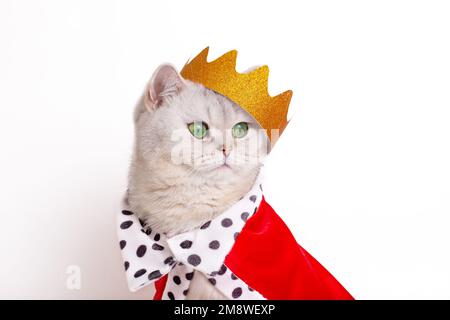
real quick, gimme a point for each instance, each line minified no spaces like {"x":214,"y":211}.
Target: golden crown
{"x":248,"y":90}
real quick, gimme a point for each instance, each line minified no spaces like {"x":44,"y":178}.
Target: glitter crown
{"x":248,"y":90}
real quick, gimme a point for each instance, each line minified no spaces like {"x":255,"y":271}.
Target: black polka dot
{"x":157,"y":247}
{"x":222,"y":270}
{"x":260,"y":186}
{"x":148,"y":231}
{"x":176,"y":279}
{"x":226,"y":222}
{"x":214,"y":273}
{"x":205,"y":225}
{"x":122,"y":244}
{"x":126,"y":264}
{"x":236,"y":292}
{"x":154,"y":275}
{"x":233,"y":277}
{"x":185,"y":292}
{"x":244,"y":216}
{"x":236,"y":234}
{"x":214,"y":244}
{"x":127,"y":212}
{"x":142,"y":222}
{"x":189,"y":276}
{"x":186,"y":244}
{"x":252,"y":198}
{"x":194,"y":259}
{"x":126,"y":224}
{"x":141,"y":250}
{"x":140,"y":273}
{"x":212,"y":281}
{"x":251,"y":289}
{"x":157,"y":237}
{"x":170,"y":295}
{"x":169,"y":260}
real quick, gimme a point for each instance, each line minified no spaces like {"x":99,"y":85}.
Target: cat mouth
{"x":220,"y":167}
{"x":224,"y":166}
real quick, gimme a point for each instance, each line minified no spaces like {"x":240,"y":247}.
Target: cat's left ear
{"x":164,"y":83}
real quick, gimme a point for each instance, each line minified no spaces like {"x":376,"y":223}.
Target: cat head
{"x":196,"y":130}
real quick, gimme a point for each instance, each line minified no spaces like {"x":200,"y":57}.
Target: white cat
{"x":174,"y":192}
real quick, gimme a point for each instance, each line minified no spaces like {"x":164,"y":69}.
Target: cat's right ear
{"x":164,"y":83}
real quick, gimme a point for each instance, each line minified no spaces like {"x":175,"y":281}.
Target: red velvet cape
{"x":267,"y":257}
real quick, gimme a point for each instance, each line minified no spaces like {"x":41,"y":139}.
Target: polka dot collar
{"x":148,"y":255}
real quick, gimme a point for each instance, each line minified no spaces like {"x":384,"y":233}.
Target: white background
{"x":361,"y":175}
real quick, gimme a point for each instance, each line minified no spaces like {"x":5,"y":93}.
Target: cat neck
{"x":178,"y":202}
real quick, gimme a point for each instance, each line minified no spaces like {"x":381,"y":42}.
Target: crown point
{"x":260,"y":75}
{"x":228,"y":59}
{"x":204,"y":53}
{"x":202,"y":56}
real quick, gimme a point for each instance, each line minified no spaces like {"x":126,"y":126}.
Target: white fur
{"x":173,"y":192}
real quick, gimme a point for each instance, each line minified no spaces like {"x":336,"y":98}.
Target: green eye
{"x":239,"y":130}
{"x":198,"y":129}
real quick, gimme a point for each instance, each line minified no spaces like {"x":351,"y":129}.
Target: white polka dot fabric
{"x":148,"y":255}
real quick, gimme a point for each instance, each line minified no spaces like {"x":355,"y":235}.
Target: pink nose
{"x":225,"y":151}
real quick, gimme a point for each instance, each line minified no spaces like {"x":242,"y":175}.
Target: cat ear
{"x":164,"y":83}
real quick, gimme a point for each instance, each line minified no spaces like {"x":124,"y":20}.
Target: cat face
{"x":198,"y":130}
